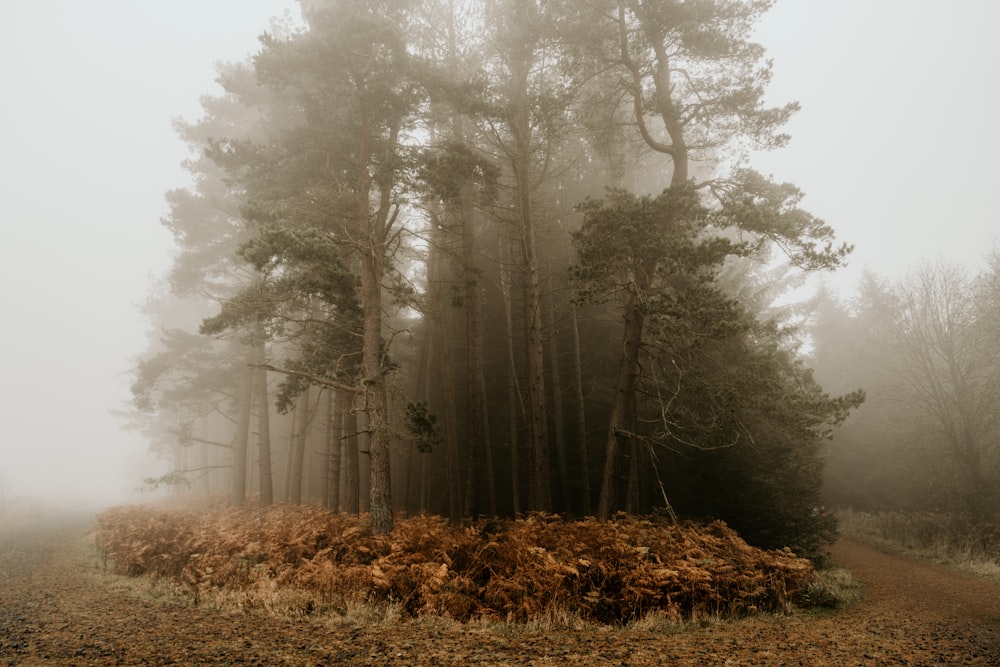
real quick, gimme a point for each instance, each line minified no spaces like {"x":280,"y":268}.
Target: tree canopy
{"x":501,"y":240}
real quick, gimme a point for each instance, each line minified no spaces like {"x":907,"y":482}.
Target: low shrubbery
{"x":514,"y":570}
{"x":830,"y":588}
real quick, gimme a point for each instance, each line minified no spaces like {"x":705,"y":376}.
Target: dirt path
{"x":54,"y":610}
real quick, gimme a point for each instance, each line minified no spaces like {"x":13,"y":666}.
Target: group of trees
{"x":927,"y":350}
{"x":510,"y":252}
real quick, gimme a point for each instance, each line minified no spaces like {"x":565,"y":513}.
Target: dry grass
{"x":938,"y":537}
{"x":541,"y":569}
{"x":831,"y":588}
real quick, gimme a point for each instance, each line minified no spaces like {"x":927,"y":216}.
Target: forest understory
{"x":60,"y":606}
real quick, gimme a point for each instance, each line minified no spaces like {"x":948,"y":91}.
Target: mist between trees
{"x":927,"y":440}
{"x":493,"y":257}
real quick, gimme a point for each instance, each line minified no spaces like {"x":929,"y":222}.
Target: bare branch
{"x":315,"y":379}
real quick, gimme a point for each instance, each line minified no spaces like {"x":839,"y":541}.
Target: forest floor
{"x":57,"y":607}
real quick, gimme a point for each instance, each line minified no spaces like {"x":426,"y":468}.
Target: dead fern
{"x":514,"y":570}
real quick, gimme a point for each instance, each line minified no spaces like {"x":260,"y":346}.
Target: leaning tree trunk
{"x":618,"y":423}
{"x":628,"y":366}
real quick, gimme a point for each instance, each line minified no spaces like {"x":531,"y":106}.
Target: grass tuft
{"x":831,"y":588}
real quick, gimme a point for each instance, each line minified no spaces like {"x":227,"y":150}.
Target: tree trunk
{"x":239,"y":486}
{"x":299,"y":448}
{"x":380,"y":484}
{"x":618,"y":422}
{"x":292,"y":425}
{"x":425,"y":457}
{"x":628,"y":366}
{"x":480,"y":449}
{"x":438,"y":278}
{"x":633,"y":493}
{"x":206,"y":477}
{"x":581,"y":415}
{"x":335,"y":405}
{"x":179,"y":463}
{"x":515,"y":401}
{"x":539,"y":489}
{"x":352,"y":483}
{"x":373,"y":228}
{"x":264,"y":432}
{"x":559,"y":428}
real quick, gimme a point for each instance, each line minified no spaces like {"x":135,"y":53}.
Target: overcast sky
{"x":89,"y":88}
{"x":896,"y":147}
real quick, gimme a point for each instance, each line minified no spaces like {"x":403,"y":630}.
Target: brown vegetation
{"x":519,"y":570}
{"x":58,"y":608}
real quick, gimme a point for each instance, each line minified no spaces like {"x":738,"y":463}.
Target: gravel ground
{"x":56,"y":608}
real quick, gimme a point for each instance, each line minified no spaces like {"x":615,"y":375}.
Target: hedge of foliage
{"x":515,"y":570}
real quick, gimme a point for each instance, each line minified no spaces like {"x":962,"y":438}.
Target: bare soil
{"x":56,"y":608}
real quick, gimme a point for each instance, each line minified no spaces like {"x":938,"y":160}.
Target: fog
{"x":89,"y":91}
{"x":896,"y":147}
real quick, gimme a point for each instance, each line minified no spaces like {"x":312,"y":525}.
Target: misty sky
{"x":896,"y":147}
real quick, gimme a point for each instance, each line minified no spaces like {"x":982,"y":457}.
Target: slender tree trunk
{"x":425,"y":457}
{"x":445,"y":358}
{"x":352,"y":483}
{"x":480,"y":448}
{"x":299,"y":447}
{"x":292,"y":426}
{"x":264,"y":429}
{"x":206,"y":478}
{"x":539,"y":485}
{"x":334,"y":428}
{"x":380,"y":481}
{"x":240,"y":446}
{"x":425,"y":482}
{"x":559,"y":427}
{"x":581,"y":415}
{"x":628,"y":367}
{"x":632,"y":492}
{"x":515,"y":401}
{"x":618,"y":423}
{"x":373,"y":229}
{"x":179,"y":463}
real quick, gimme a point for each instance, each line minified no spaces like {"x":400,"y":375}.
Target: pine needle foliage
{"x":519,"y":570}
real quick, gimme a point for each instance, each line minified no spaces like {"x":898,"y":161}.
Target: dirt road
{"x":56,"y":610}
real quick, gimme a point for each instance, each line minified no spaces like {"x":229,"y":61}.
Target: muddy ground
{"x":58,"y":608}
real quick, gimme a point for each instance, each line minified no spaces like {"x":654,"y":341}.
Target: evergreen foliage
{"x":415,"y":231}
